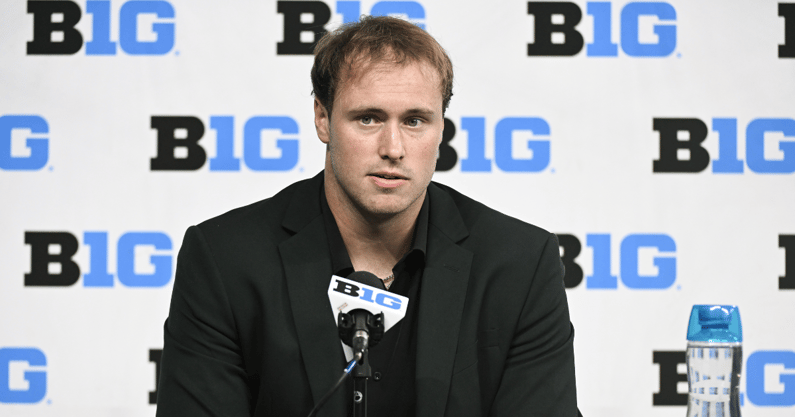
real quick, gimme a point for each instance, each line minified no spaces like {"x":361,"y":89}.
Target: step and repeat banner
{"x":657,"y":139}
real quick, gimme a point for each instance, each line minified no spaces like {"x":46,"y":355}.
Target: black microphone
{"x":367,"y":278}
{"x":376,"y":310}
{"x":361,"y":329}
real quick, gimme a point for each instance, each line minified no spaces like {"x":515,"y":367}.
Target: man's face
{"x":383,"y":135}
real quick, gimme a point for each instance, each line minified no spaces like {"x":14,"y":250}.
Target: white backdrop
{"x":82,"y":348}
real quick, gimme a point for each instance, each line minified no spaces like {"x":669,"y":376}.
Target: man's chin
{"x":386,"y":206}
{"x":386,"y":210}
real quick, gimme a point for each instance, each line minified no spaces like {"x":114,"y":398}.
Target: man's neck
{"x":375,"y":243}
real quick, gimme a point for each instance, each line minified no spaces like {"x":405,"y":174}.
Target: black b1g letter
{"x":544,"y":28}
{"x":571,"y":249}
{"x":670,"y":143}
{"x":447,"y":155}
{"x":44,"y":27}
{"x":167,"y":142}
{"x":787,"y":11}
{"x":348,"y":289}
{"x":787,"y":282}
{"x":669,"y":378}
{"x":293,"y":27}
{"x":155,"y":356}
{"x":41,"y":258}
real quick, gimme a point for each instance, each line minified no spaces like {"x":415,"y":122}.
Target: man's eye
{"x":366,"y":120}
{"x":414,"y":122}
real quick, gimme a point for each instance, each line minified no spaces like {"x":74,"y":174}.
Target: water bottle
{"x":714,"y":361}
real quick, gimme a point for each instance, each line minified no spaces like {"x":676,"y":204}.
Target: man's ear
{"x":322,"y":122}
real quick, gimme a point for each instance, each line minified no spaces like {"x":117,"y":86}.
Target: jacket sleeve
{"x":202,"y":370}
{"x":538,"y":378}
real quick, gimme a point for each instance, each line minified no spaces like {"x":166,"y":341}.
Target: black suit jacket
{"x":251,"y":332}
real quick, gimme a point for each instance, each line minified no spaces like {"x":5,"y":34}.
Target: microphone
{"x":364,"y":311}
{"x":367,"y":278}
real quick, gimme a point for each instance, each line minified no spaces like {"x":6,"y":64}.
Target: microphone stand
{"x":361,"y":373}
{"x":360,"y":331}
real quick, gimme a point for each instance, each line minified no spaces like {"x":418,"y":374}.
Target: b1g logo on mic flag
{"x":346,"y":295}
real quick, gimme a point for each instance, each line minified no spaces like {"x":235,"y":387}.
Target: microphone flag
{"x":346,"y":295}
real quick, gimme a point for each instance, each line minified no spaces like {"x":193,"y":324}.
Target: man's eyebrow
{"x":422,"y":111}
{"x":359,"y":110}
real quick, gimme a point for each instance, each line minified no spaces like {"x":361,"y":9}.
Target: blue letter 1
{"x":367,"y":295}
{"x":100,"y":43}
{"x":727,"y":161}
{"x":98,"y":276}
{"x":350,"y":11}
{"x":601,"y":277}
{"x":602,"y":44}
{"x":476,"y":145}
{"x":224,"y":144}
{"x":411,"y":9}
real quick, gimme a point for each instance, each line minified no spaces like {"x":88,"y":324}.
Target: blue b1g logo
{"x":37,"y":147}
{"x":631,"y":245}
{"x":769,"y":377}
{"x":556,"y":34}
{"x":52,"y":263}
{"x":57,"y":19}
{"x":504,"y":135}
{"x":310,"y":17}
{"x":36,"y":379}
{"x":182,"y":133}
{"x":696,"y":158}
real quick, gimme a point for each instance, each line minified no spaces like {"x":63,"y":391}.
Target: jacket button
{"x":377,"y":376}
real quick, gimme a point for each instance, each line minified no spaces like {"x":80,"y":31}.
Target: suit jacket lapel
{"x":442,"y":294}
{"x":307,"y":268}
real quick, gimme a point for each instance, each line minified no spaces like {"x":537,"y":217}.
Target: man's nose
{"x":391,"y":143}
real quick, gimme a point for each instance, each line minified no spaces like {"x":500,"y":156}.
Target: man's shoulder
{"x":266,"y":214}
{"x":485,"y":223}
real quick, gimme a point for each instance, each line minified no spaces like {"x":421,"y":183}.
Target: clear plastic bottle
{"x":714,"y":361}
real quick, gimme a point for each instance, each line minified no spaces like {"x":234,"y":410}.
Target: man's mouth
{"x":388,"y":176}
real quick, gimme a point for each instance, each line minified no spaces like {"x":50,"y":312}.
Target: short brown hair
{"x":377,"y":39}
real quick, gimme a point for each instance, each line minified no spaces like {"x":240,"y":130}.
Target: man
{"x":487,"y":331}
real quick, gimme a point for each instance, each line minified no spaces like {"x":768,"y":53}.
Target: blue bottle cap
{"x":715,"y":323}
